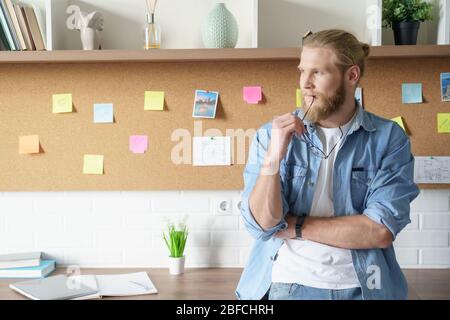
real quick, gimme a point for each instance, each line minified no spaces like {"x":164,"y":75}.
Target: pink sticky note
{"x":138,"y":144}
{"x":252,"y":95}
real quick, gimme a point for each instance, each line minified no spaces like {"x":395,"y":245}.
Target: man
{"x":327,"y":188}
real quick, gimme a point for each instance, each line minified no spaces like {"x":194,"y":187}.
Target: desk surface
{"x":194,"y":284}
{"x":220,"y":283}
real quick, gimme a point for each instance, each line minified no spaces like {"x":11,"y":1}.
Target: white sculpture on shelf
{"x":89,"y":24}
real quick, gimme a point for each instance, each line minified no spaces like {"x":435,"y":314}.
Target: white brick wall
{"x":123,"y":229}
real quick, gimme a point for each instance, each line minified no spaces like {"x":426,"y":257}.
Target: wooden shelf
{"x":204,"y":55}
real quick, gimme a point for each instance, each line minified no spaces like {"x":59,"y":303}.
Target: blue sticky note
{"x":412,"y":93}
{"x":103,"y":113}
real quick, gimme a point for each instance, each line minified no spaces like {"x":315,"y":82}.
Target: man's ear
{"x":354,"y":74}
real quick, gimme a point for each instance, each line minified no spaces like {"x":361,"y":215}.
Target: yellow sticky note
{"x":298,"y":97}
{"x":29,"y":144}
{"x":444,"y":122}
{"x":62,"y":103}
{"x":93,"y":164}
{"x":154,"y":100}
{"x":399,"y":120}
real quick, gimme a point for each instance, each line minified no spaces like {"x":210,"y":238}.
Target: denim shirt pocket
{"x":360,"y":183}
{"x":293,"y":178}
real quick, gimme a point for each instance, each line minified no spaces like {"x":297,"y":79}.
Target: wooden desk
{"x":194,"y":284}
{"x":220,"y":283}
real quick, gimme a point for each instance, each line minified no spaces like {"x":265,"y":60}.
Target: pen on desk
{"x":140,"y":284}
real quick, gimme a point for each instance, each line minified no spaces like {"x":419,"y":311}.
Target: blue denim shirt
{"x":373,"y":175}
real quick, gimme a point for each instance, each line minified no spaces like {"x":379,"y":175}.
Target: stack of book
{"x":19,"y":27}
{"x":25,"y":265}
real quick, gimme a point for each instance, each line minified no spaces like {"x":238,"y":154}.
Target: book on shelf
{"x":22,"y":26}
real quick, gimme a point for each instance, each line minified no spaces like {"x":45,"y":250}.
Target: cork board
{"x":26,"y":108}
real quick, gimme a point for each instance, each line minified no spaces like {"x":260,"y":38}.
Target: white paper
{"x":432,"y":170}
{"x":130,"y":284}
{"x":211,"y":151}
{"x":115,"y":285}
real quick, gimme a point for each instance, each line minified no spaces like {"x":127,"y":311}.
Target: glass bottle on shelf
{"x":152,"y":33}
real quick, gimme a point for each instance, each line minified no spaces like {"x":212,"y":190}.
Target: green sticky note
{"x":298,"y":98}
{"x":399,"y":120}
{"x":62,"y":103}
{"x":444,"y":122}
{"x":154,"y":100}
{"x":93,"y":164}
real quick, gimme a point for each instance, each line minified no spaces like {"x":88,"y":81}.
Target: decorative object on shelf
{"x":220,"y":28}
{"x":404,"y":17}
{"x":89,"y":25}
{"x":152,"y":29}
{"x":176,"y":242}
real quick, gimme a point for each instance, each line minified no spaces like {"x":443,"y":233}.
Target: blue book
{"x":41,"y":271}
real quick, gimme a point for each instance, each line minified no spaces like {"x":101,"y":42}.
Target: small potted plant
{"x":176,"y":241}
{"x":404,"y":17}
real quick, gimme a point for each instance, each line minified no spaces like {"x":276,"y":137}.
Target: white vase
{"x":90,"y":38}
{"x":176,"y":265}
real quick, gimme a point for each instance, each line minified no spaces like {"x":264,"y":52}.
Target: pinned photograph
{"x":445,"y":86}
{"x":205,"y":104}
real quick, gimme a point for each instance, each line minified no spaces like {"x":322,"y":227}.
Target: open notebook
{"x":86,"y":286}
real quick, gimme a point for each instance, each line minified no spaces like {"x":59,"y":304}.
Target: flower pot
{"x":176,"y":265}
{"x":405,"y":33}
{"x":220,"y":28}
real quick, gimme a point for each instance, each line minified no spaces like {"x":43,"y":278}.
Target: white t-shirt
{"x":311,"y":263}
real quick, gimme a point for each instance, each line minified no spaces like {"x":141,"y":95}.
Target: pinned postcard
{"x":359,"y":96}
{"x":432,"y":170}
{"x":93,"y":164}
{"x":399,"y":121}
{"x":298,"y":98}
{"x":103,"y":113}
{"x":412,"y":93}
{"x":445,"y":86}
{"x":62,"y":103}
{"x":29,"y":144}
{"x":138,"y":144}
{"x":211,"y":151}
{"x":205,"y":104}
{"x":154,"y":100}
{"x":252,"y":95}
{"x":443,"y":122}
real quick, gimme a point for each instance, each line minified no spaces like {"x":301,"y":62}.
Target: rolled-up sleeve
{"x":256,"y":156}
{"x":393,"y":188}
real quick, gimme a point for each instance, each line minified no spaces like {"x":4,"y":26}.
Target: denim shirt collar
{"x":361,"y":120}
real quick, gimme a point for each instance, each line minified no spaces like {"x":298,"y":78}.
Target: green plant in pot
{"x":175,"y":240}
{"x":404,"y":17}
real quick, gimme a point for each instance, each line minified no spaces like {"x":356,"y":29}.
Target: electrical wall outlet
{"x":237,"y":202}
{"x":223,"y":206}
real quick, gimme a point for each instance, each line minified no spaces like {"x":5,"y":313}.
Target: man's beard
{"x":330,"y":104}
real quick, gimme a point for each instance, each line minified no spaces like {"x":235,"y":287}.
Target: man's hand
{"x":289,"y":232}
{"x":283,"y":128}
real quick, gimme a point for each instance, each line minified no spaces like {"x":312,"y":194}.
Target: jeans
{"x":294,"y":291}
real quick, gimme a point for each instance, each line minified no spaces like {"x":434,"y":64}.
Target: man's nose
{"x":306,"y":82}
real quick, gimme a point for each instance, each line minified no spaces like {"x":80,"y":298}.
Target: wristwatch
{"x":298,"y":226}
